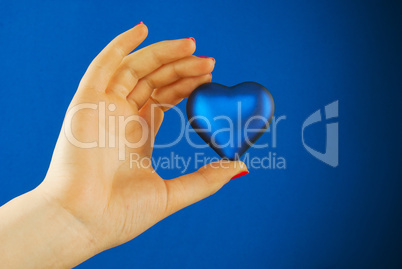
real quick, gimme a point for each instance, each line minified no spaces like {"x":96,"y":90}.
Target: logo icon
{"x":330,"y":156}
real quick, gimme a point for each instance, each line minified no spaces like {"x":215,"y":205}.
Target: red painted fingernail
{"x":139,"y":23}
{"x":206,"y":57}
{"x":242,"y":173}
{"x":192,"y":38}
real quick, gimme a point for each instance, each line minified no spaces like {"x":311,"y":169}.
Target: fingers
{"x":152,"y":111}
{"x":188,"y":189}
{"x":191,"y":66}
{"x":109,"y":59}
{"x":153,"y":116}
{"x":174,"y":93}
{"x":145,"y":61}
{"x":168,"y":96}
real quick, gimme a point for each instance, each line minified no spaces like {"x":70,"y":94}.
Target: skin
{"x":90,"y":200}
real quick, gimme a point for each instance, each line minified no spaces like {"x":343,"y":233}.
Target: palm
{"x":96,"y":184}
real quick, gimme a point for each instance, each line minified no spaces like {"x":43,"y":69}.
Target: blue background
{"x":307,"y":53}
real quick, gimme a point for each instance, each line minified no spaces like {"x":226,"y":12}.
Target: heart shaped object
{"x":230,"y":119}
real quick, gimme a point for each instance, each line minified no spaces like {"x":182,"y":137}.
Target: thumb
{"x":188,"y":189}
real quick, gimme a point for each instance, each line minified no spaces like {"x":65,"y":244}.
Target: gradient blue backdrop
{"x":307,"y":53}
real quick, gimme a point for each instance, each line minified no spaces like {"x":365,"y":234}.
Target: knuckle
{"x":176,"y":72}
{"x":120,"y":90}
{"x":202,"y":172}
{"x":133,"y":73}
{"x":118,"y":50}
{"x":149,"y":82}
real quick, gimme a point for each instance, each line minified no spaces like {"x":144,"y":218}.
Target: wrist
{"x":48,"y":236}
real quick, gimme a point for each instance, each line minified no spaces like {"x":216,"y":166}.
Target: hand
{"x":106,"y":201}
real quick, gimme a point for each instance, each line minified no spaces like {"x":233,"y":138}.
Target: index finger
{"x":108,"y":60}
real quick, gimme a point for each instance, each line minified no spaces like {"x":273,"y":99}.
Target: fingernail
{"x":139,"y":23}
{"x":192,"y":38}
{"x":242,"y":173}
{"x":206,"y":57}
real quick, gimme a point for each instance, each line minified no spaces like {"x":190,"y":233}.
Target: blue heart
{"x":230,"y":119}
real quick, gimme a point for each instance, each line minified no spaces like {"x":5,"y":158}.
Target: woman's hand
{"x":91,"y":199}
